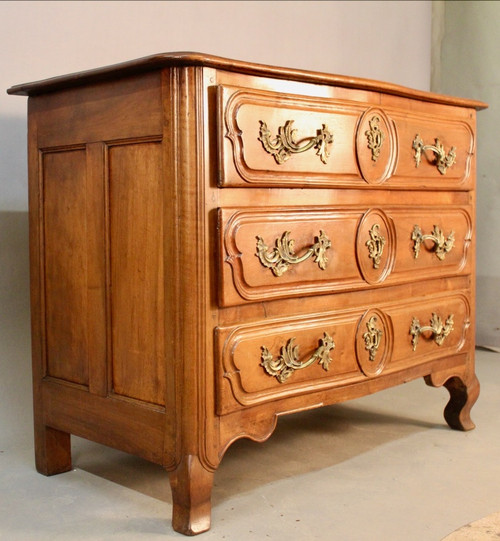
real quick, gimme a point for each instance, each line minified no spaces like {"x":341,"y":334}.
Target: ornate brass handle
{"x":442,"y":161}
{"x":285,"y":365}
{"x":284,"y":144}
{"x":439,"y":330}
{"x":283,"y":255}
{"x":442,"y":245}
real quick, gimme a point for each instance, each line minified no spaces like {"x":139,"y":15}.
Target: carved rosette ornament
{"x":283,"y":255}
{"x":285,"y":143}
{"x":285,"y":365}
{"x":375,"y":137}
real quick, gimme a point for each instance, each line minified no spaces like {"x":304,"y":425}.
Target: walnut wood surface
{"x":348,"y":165}
{"x":151,"y":311}
{"x":244,"y":278}
{"x":183,"y":59}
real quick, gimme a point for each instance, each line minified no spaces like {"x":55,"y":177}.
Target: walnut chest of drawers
{"x":216,"y":243}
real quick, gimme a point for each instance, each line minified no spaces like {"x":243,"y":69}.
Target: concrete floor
{"x":384,"y":467}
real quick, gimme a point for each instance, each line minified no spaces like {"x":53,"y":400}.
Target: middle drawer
{"x":281,"y":252}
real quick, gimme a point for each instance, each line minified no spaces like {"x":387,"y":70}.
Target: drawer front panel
{"x":248,"y":277}
{"x":275,"y":139}
{"x":271,"y":360}
{"x":250,"y":123}
{"x":434,"y":152}
{"x":432,"y":242}
{"x":278,"y":253}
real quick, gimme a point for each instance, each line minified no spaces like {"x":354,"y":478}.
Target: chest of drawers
{"x":216,"y":243}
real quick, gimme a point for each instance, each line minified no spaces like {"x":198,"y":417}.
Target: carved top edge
{"x":186,"y":59}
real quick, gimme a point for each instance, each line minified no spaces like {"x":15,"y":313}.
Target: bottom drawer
{"x":280,"y":358}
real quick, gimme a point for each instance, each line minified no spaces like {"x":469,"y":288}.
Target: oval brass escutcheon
{"x":374,"y":338}
{"x":375,"y":246}
{"x":376,"y":146}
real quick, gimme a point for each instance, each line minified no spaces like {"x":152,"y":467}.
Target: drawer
{"x":274,"y":253}
{"x":275,"y":139}
{"x":281,"y":358}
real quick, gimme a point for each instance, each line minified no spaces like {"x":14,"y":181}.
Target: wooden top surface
{"x":164,"y":60}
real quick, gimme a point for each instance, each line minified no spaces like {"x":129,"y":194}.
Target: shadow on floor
{"x":302,"y":442}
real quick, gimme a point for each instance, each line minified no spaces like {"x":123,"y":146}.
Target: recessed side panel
{"x":136,"y":271}
{"x":66,"y":256}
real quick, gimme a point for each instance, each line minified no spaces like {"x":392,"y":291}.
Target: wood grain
{"x":137,"y":275}
{"x":244,"y":278}
{"x":151,"y":312}
{"x":66,"y":265}
{"x":244,"y":161}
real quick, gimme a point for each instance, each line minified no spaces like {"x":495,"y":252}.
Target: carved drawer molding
{"x":309,"y":143}
{"x":282,"y":252}
{"x":289,"y":357}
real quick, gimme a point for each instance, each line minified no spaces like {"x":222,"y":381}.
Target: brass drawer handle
{"x":285,"y":365}
{"x":439,"y":330}
{"x":442,"y":160}
{"x":285,"y":144}
{"x":283,"y":255}
{"x":442,"y":245}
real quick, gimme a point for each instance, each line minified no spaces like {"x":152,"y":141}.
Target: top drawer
{"x":270,"y":139}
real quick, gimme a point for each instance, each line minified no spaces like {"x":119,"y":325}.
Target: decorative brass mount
{"x":286,"y":364}
{"x":442,"y":160}
{"x":375,"y":137}
{"x":283,"y":255}
{"x":442,"y":245}
{"x":372,"y":337}
{"x":284,"y":144}
{"x":375,"y":245}
{"x":439,"y":331}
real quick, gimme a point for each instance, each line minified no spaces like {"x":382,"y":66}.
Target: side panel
{"x":97,"y":211}
{"x":136,"y":249}
{"x":65,"y":225}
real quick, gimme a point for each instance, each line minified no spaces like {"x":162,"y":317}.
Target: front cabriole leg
{"x":191,"y":486}
{"x":464,"y":390}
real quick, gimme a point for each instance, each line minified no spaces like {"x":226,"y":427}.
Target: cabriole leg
{"x":464,"y":391}
{"x":463,"y":395}
{"x":191,"y":487}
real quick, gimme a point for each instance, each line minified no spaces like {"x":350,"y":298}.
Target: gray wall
{"x":43,"y":39}
{"x":466,"y":59}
